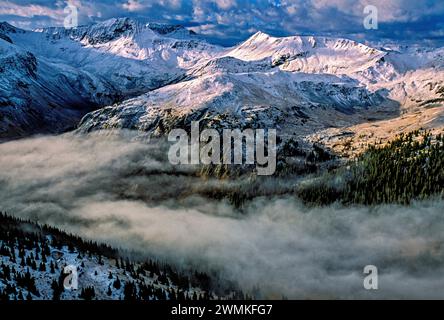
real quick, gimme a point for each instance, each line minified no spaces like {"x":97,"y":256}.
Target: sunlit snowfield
{"x":125,"y":193}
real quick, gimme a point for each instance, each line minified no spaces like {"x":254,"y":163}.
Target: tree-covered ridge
{"x":408,"y":168}
{"x":33,"y":257}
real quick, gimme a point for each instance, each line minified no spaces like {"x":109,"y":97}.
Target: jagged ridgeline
{"x":408,"y":168}
{"x":33,"y":258}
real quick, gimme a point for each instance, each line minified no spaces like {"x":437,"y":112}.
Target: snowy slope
{"x":255,"y":77}
{"x":274,"y":98}
{"x":300,"y":85}
{"x":128,"y":53}
{"x":79,"y":70}
{"x":308,"y":54}
{"x":152,"y":77}
{"x":33,"y":258}
{"x":37,"y":95}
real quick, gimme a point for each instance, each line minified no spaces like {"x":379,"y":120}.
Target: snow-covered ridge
{"x":81,"y":69}
{"x":6,"y":27}
{"x":337,"y":82}
{"x":262,"y":45}
{"x":308,"y":53}
{"x":113,"y":29}
{"x":148,"y":69}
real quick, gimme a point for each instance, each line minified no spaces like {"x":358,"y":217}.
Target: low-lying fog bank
{"x":125,"y":193}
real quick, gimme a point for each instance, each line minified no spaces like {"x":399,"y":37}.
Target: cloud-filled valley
{"x":123,"y":191}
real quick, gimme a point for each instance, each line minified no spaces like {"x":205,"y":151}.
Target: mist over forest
{"x":123,"y":191}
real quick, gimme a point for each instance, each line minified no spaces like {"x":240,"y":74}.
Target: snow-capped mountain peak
{"x":112,"y":29}
{"x":89,"y":67}
{"x":6,"y":27}
{"x":308,"y":53}
{"x":97,"y":33}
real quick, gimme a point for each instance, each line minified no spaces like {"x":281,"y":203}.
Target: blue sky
{"x":231,"y":21}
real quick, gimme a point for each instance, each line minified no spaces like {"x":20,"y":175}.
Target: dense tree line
{"x":29,"y":246}
{"x":411,"y":167}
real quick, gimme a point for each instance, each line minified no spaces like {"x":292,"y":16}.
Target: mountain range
{"x":122,"y":73}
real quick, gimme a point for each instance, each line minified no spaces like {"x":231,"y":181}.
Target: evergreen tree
{"x":117,"y":285}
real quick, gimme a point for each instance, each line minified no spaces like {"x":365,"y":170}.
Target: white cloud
{"x":388,"y":10}
{"x":134,"y":5}
{"x":30,"y":10}
{"x":173,"y":4}
{"x":225,"y":4}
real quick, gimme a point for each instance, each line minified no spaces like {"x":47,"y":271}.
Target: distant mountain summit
{"x":115,"y":28}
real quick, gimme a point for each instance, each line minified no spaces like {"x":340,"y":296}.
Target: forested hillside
{"x":411,"y":167}
{"x":33,"y":258}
